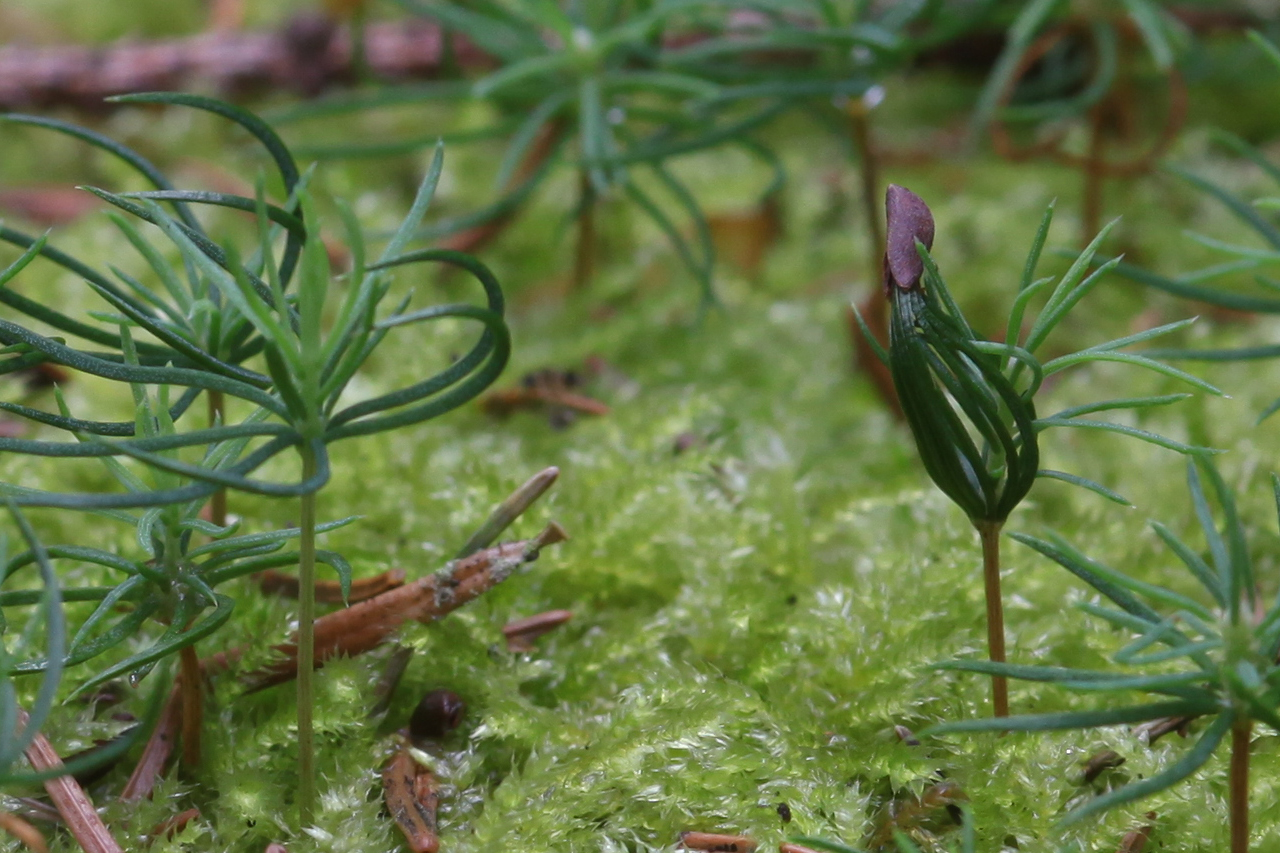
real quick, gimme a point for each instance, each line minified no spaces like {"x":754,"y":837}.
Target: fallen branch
{"x":307,"y":55}
{"x":367,"y":625}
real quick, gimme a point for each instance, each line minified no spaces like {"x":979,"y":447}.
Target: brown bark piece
{"x":367,"y":625}
{"x":413,"y":799}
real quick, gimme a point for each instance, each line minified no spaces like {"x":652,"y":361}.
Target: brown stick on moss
{"x":369,"y":624}
{"x":70,"y":799}
{"x":989,"y":533}
{"x":412,"y":798}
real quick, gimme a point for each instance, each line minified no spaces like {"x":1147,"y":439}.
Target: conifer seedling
{"x":970,"y":402}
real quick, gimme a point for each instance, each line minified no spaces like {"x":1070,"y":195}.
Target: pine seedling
{"x":313,"y":341}
{"x":1224,"y":645}
{"x":970,"y":402}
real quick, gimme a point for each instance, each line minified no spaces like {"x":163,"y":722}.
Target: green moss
{"x":752,"y":616}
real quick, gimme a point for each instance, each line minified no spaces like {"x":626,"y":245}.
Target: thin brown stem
{"x":217,"y":503}
{"x":1095,"y":172}
{"x":1240,"y":736}
{"x":306,"y":647}
{"x":989,"y":533}
{"x":192,"y":686}
{"x":869,"y":169}
{"x":585,"y":253}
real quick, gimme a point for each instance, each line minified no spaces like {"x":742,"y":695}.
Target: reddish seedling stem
{"x":1241,"y":734}
{"x":584,"y":258}
{"x":413,"y":799}
{"x":989,"y":533}
{"x":192,"y":687}
{"x":70,"y":799}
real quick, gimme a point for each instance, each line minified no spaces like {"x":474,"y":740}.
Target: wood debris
{"x":365,"y":626}
{"x":412,"y":798}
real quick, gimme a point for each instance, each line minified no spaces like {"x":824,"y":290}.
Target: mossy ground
{"x":753,"y":615}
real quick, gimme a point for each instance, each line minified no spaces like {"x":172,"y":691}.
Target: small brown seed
{"x":714,"y":843}
{"x":906,"y":735}
{"x":1135,"y":840}
{"x":784,"y":812}
{"x":1099,"y":762}
{"x":439,"y":713}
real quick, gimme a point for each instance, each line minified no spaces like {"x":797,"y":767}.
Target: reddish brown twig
{"x":70,"y":799}
{"x":274,"y":847}
{"x":274,"y":582}
{"x":156,"y":753}
{"x":788,"y":847}
{"x":27,"y":834}
{"x":367,"y":625}
{"x":160,"y":745}
{"x":716,"y":843}
{"x":521,"y":633}
{"x":412,"y":798}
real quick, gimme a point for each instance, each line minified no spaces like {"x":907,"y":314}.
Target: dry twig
{"x":70,"y":799}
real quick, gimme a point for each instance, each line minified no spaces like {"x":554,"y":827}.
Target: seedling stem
{"x":989,"y":533}
{"x":306,"y":643}
{"x":584,"y":254}
{"x":1240,"y":736}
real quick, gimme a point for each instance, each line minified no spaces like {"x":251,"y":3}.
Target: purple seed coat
{"x":908,"y":220}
